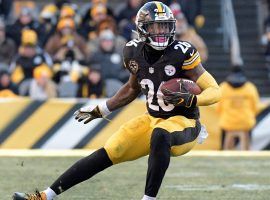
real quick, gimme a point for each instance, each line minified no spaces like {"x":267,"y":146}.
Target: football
{"x":174,"y":86}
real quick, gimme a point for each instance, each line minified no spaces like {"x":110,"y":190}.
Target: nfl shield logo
{"x":151,"y":70}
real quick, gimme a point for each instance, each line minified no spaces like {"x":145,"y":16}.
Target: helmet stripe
{"x":159,"y":6}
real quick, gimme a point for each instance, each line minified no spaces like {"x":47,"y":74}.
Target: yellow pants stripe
{"x":10,"y":110}
{"x":127,"y":113}
{"x":37,"y":124}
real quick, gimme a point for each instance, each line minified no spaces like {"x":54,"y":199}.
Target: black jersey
{"x":177,"y":58}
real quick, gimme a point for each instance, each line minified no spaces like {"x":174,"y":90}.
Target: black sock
{"x":82,"y":170}
{"x":158,"y":161}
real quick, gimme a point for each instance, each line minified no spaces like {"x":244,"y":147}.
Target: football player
{"x":170,"y":128}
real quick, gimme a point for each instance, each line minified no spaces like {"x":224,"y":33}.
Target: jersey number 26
{"x":151,"y":94}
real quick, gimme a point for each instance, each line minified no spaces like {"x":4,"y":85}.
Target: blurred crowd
{"x":266,"y":29}
{"x":65,"y":49}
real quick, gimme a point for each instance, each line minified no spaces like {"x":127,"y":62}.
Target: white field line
{"x":203,"y":174}
{"x":228,"y":153}
{"x":59,"y":153}
{"x":44,"y":153}
{"x":245,"y":187}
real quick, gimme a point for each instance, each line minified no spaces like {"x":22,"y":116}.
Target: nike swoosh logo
{"x":191,"y":54}
{"x":181,"y":101}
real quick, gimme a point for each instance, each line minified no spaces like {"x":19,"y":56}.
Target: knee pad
{"x":115,"y":153}
{"x":160,"y":139}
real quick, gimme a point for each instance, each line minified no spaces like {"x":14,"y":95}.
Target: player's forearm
{"x":211,"y":92}
{"x":123,"y":97}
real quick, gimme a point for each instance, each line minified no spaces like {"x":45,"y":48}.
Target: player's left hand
{"x":88,"y":113}
{"x":182,"y":98}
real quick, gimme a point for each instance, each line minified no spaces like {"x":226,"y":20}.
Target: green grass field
{"x":188,"y":178}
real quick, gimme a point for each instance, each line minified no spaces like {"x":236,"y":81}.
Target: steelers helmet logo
{"x":170,"y":70}
{"x":133,"y":66}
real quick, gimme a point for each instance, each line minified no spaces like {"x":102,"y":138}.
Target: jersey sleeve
{"x":125,"y":57}
{"x":128,"y":60}
{"x":192,"y":58}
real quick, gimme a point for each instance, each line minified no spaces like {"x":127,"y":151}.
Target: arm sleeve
{"x":211,"y":92}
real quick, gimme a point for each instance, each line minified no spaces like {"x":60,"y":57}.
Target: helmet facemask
{"x":159,"y":34}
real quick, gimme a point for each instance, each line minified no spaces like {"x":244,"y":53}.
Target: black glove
{"x":88,"y":114}
{"x":182,"y":98}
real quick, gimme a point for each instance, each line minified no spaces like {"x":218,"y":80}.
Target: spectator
{"x":192,"y":10}
{"x":175,"y":8}
{"x":21,"y":4}
{"x":66,"y":75}
{"x":60,"y":3}
{"x":25,"y":21}
{"x":5,"y":8}
{"x":126,"y":18}
{"x":186,"y":33}
{"x":98,"y":12}
{"x":237,"y":109}
{"x":166,"y":2}
{"x":110,"y":61}
{"x":67,"y":12}
{"x":7,"y":47}
{"x":69,"y":50}
{"x":85,"y":11}
{"x":7,"y":87}
{"x":127,"y":29}
{"x":91,"y":86}
{"x":42,"y":87}
{"x":266,"y":38}
{"x":66,"y":41}
{"x":29,"y":56}
{"x":129,"y":10}
{"x":48,"y":19}
{"x":108,"y":24}
{"x":68,"y":70}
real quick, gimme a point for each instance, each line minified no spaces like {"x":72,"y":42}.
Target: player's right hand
{"x":182,"y":98}
{"x":87,"y":114}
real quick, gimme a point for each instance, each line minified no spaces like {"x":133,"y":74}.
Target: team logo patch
{"x":170,"y":70}
{"x":133,"y":66}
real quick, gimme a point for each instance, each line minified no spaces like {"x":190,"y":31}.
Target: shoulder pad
{"x":131,"y":47}
{"x":191,"y":55}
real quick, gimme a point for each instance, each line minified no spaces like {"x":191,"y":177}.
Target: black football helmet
{"x":156,"y":25}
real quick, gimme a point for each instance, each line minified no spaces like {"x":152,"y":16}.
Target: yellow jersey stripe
{"x":127,"y":113}
{"x":37,"y":124}
{"x":192,"y":65}
{"x":190,"y":62}
{"x":17,"y":105}
{"x":159,"y":7}
{"x":192,"y":57}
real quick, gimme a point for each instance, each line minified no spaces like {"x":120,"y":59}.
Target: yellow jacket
{"x":238,"y":107}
